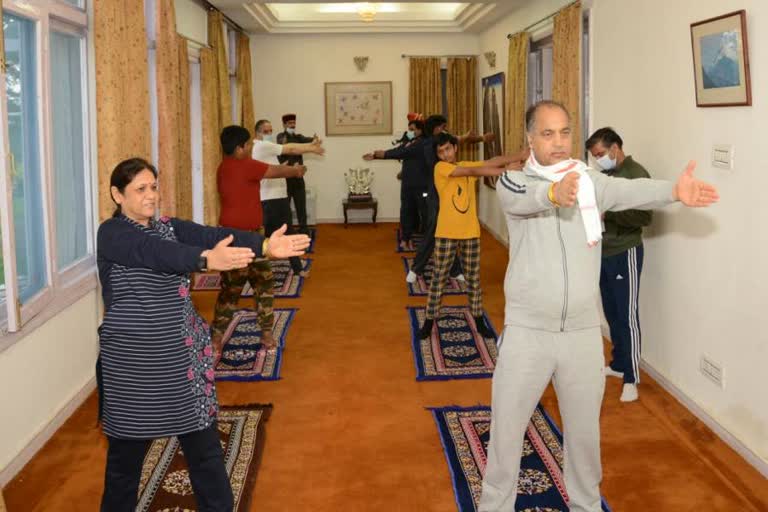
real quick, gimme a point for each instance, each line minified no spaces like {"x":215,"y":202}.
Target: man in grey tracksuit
{"x":552,"y":322}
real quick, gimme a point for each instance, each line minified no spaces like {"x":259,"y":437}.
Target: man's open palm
{"x":692,"y":192}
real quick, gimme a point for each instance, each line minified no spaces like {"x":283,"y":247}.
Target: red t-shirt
{"x":240,"y":192}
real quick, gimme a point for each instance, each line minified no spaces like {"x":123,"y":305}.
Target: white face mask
{"x":606,"y":163}
{"x":292,"y":131}
{"x":410,"y":134}
{"x":268,"y":137}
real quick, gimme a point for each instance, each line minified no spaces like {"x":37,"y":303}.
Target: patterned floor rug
{"x":421,"y":286}
{"x":244,"y":357}
{"x":287,"y":284}
{"x":465,"y":431}
{"x":416,"y":238}
{"x":455,"y":350}
{"x":165,"y":484}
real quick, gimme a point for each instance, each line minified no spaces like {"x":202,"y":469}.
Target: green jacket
{"x":624,"y":230}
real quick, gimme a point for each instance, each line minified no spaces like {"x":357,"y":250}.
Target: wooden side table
{"x":371,"y":204}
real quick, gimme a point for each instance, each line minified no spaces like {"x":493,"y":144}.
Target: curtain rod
{"x":437,"y":56}
{"x":542,"y":20}
{"x":210,"y":7}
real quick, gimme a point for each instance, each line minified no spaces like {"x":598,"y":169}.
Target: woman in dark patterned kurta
{"x":155,"y":367}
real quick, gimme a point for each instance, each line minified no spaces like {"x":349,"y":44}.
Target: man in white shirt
{"x":274,"y":193}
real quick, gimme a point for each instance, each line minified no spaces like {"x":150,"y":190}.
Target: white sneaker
{"x":610,"y":372}
{"x":629,"y":393}
{"x":411,"y":277}
{"x":461,"y":278}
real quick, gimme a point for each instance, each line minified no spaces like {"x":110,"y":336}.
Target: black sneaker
{"x":483,"y":329}
{"x":426,"y":329}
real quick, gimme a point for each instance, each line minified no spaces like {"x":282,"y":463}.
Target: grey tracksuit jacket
{"x":552,"y":281}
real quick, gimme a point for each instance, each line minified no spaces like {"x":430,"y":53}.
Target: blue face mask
{"x":268,"y":137}
{"x":410,"y":134}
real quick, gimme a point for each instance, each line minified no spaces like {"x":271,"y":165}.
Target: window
{"x":46,"y":227}
{"x":24,"y":142}
{"x":69,"y":161}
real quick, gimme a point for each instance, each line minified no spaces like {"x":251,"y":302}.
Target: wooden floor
{"x":349,"y":430}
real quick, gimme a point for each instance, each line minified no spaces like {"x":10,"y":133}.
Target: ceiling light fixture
{"x":367,"y":11}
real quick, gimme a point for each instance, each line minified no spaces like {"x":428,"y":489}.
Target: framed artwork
{"x":358,"y":108}
{"x":721,"y":61}
{"x":493,"y":118}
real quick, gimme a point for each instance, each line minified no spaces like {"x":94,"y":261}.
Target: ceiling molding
{"x":257,"y":16}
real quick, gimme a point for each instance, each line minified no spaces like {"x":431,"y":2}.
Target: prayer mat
{"x":165,"y":483}
{"x":465,"y":431}
{"x":455,"y":350}
{"x":421,"y":287}
{"x":416,"y":239}
{"x":287,"y":284}
{"x":243,"y":357}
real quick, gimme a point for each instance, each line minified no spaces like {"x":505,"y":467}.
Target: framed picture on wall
{"x":358,"y":108}
{"x":493,"y":118}
{"x":721,"y":61}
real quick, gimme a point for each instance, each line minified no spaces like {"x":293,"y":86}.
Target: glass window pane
{"x":76,"y":3}
{"x":21,"y":78}
{"x":68,"y":153}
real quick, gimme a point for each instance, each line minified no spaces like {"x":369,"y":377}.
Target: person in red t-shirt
{"x":239,"y":182}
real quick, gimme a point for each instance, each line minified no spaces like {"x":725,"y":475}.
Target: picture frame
{"x":358,"y":108}
{"x":721,"y":61}
{"x":494,"y":90}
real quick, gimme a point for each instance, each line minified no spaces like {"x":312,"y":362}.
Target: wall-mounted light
{"x":367,"y":11}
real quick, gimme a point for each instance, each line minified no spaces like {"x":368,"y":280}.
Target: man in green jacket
{"x":622,"y":263}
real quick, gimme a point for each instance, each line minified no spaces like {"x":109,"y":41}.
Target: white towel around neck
{"x":590,"y":214}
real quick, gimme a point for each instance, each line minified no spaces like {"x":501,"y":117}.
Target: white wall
{"x":289,"y":72}
{"x":191,"y":20}
{"x":703,"y":288}
{"x":41,"y":374}
{"x":495,"y":39}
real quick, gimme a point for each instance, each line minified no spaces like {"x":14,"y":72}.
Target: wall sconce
{"x":361,"y":63}
{"x":491,"y":58}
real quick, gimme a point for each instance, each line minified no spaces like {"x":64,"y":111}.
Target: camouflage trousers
{"x":259,"y":275}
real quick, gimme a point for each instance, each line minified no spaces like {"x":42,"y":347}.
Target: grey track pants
{"x":527,"y":360}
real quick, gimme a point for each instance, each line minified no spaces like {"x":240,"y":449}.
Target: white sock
{"x":629,"y":393}
{"x":411,"y":277}
{"x":610,"y":372}
{"x":461,"y":278}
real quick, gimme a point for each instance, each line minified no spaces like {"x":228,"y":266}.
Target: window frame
{"x":66,"y":285}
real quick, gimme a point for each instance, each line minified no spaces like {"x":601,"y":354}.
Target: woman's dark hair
{"x":443,"y":138}
{"x":233,"y":136}
{"x":433,"y":122}
{"x":124,"y":173}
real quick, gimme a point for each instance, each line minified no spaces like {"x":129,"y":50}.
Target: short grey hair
{"x":530,"y":114}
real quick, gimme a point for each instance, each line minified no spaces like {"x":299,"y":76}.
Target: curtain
{"x":424,"y":90}
{"x":461,"y":92}
{"x":168,"y":105}
{"x":209,"y":93}
{"x":245,"y":82}
{"x":184,"y":178}
{"x":517,"y":81}
{"x":221,"y":72}
{"x":122,"y":89}
{"x":566,"y":67}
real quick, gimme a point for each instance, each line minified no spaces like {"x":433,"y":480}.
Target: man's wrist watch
{"x":264,"y":247}
{"x":202,"y":263}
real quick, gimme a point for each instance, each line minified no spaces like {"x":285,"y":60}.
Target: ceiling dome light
{"x":367,"y":11}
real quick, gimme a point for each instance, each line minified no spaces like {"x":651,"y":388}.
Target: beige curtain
{"x":184,"y":178}
{"x":461,"y":91}
{"x":209,"y":92}
{"x":424,"y":90}
{"x":517,"y":85}
{"x":566,"y":67}
{"x":122,"y":89}
{"x":245,"y":82}
{"x":173,"y":122}
{"x":221,"y":74}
